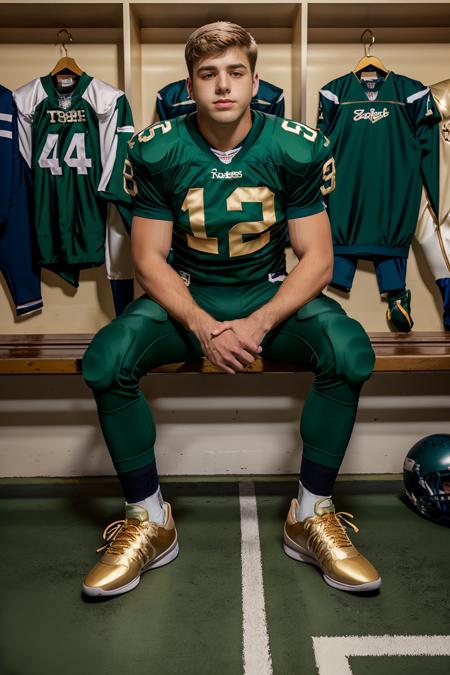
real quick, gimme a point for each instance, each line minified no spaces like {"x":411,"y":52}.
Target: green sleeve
{"x":327,"y":109}
{"x":147,"y":188}
{"x":114,"y":152}
{"x":310,"y":179}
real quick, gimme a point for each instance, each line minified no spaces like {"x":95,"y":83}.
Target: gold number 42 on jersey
{"x":195,"y":205}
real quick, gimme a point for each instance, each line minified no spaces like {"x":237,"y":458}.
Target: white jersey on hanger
{"x":434,"y":235}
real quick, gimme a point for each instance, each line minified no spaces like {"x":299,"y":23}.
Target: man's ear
{"x":255,"y":83}
{"x":189,"y":88}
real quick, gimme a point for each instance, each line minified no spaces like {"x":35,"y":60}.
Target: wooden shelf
{"x":173,"y":23}
{"x":383,"y":35}
{"x":30,"y":23}
{"x":58,"y":354}
{"x":49,"y":35}
{"x":192,"y":15}
{"x":61,"y":15}
{"x":403,"y":23}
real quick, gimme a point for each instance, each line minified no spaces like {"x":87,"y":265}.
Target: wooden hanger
{"x":66,"y":62}
{"x":369,"y":60}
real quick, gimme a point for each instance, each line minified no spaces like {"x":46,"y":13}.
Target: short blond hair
{"x":216,"y":38}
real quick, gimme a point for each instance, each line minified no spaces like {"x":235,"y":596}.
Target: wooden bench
{"x":53,"y":354}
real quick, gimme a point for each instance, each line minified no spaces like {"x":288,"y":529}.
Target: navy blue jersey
{"x":6,"y":151}
{"x":17,"y":261}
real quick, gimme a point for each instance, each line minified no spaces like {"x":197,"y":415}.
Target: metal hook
{"x":368,"y":45}
{"x":62,"y":42}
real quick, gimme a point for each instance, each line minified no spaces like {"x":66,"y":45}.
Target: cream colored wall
{"x":164,"y":63}
{"x":213,"y":424}
{"x":21,"y":63}
{"x":161,"y":64}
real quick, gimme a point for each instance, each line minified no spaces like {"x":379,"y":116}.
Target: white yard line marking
{"x":256,"y":652}
{"x":332,"y":653}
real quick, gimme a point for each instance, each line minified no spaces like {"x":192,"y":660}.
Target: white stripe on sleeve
{"x":418,"y":94}
{"x":326,"y":93}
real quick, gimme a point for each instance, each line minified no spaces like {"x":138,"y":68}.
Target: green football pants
{"x":319,"y":337}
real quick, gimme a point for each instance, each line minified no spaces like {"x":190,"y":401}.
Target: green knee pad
{"x":103,"y":359}
{"x":352,"y":351}
{"x":106,"y":355}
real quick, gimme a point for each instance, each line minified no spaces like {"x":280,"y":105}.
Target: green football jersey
{"x":75,"y":144}
{"x":229,"y":219}
{"x":382,"y":132}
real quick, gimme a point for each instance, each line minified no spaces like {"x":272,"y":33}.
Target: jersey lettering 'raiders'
{"x":229,"y":220}
{"x":16,"y":251}
{"x":75,"y":144}
{"x":434,"y":233}
{"x":173,"y":100}
{"x":382,"y":131}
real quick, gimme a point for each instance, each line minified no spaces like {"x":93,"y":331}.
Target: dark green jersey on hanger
{"x":75,"y":144}
{"x":382,"y":132}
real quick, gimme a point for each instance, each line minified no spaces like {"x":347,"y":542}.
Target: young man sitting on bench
{"x":218,"y":186}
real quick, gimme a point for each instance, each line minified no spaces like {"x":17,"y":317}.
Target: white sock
{"x":154,"y":506}
{"x":306,"y":502}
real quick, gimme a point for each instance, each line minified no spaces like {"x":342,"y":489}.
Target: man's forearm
{"x":303,"y":283}
{"x":160,"y":281}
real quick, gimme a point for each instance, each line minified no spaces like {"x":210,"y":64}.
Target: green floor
{"x":186,"y":618}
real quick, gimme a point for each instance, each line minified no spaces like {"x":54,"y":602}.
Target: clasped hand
{"x":232,"y":345}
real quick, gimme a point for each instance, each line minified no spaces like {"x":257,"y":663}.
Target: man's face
{"x":223,"y":86}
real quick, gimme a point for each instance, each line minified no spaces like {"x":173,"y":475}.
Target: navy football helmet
{"x":426,"y":476}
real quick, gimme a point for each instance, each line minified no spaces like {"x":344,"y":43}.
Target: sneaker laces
{"x":330,"y":531}
{"x":119,"y":534}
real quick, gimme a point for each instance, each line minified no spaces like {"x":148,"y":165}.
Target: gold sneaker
{"x":133,"y":546}
{"x":322,"y":540}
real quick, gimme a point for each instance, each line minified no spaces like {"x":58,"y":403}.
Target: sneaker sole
{"x":164,"y":559}
{"x":296,"y":554}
